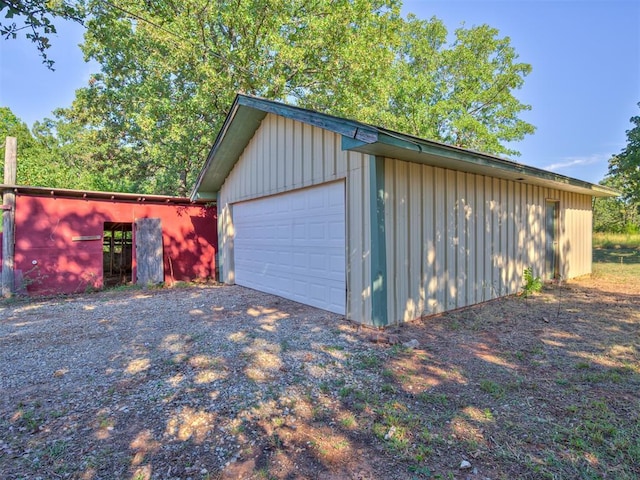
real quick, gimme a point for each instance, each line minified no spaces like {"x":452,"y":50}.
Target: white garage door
{"x":293,"y":245}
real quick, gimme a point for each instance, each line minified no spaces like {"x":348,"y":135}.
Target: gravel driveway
{"x":210,"y":382}
{"x":170,"y":383}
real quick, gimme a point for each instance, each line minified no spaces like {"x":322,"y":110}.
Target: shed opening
{"x":117,"y":246}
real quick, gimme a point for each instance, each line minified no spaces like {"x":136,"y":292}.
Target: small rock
{"x":390,"y":433}
{"x":411,"y":344}
{"x":465,"y":465}
{"x":378,"y":338}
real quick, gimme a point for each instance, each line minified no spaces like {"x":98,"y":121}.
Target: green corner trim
{"x":379,"y":315}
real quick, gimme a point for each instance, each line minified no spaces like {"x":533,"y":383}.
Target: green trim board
{"x":219,"y":257}
{"x":379,"y":311}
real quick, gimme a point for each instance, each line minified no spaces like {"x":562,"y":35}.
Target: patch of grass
{"x":434,"y":398}
{"x":368,"y":360}
{"x":125,"y":287}
{"x":333,"y":348}
{"x":388,"y":388}
{"x":348,"y":421}
{"x":616,"y":240}
{"x":56,"y":449}
{"x":494,"y":389}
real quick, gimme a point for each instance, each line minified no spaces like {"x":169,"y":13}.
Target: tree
{"x":169,"y":71}
{"x":615,"y":215}
{"x":39,"y":162}
{"x":624,"y":168}
{"x":36,"y":17}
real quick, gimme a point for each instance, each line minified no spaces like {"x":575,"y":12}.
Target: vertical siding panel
{"x":318,"y":155}
{"x":451,"y":240}
{"x":495,"y":238}
{"x":363,"y":164}
{"x":390,"y":227}
{"x":430,"y":280}
{"x":531,"y":229}
{"x":355,"y":227}
{"x":280,"y":149}
{"x":504,"y":255}
{"x":587,"y":225}
{"x":402,"y":233}
{"x":258,"y":164}
{"x":520,"y":232}
{"x":461,"y":235}
{"x":540,"y":235}
{"x":440,"y":239}
{"x":289,"y":157}
{"x":298,"y":156}
{"x":341,"y":156}
{"x":577,"y":217}
{"x":480,"y":248}
{"x":470,"y":239}
{"x":307,"y":154}
{"x":267,"y":159}
{"x":276,"y":168}
{"x":488,"y":238}
{"x":329,"y":154}
{"x":415,"y":300}
{"x":511,"y":243}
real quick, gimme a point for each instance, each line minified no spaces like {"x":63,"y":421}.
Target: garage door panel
{"x":293,"y":245}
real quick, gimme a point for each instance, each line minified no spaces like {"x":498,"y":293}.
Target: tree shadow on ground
{"x":225,"y":382}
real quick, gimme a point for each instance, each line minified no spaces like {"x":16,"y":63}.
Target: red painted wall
{"x":48,"y":261}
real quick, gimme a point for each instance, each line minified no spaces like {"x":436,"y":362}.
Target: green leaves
{"x":624,"y":168}
{"x":36,"y":16}
{"x":622,"y":214}
{"x":170,"y":70}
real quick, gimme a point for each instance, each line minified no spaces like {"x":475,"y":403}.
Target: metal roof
{"x":97,"y":195}
{"x":247,"y":112}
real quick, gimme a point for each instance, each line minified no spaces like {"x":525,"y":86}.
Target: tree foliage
{"x":39,"y":161}
{"x":624,"y":168}
{"x":620,"y":215}
{"x":170,"y":69}
{"x":36,"y":17}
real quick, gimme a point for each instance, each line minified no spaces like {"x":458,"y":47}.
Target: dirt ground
{"x":210,"y":382}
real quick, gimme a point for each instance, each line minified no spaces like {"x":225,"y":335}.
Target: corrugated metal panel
{"x":455,"y":239}
{"x":285,"y":155}
{"x":575,"y":245}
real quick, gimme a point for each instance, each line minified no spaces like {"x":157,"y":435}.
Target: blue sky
{"x":584,"y":87}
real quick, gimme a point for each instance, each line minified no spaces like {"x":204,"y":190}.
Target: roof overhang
{"x":97,"y":195}
{"x":247,"y":113}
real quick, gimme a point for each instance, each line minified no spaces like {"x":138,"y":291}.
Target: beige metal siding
{"x":286,"y":155}
{"x":455,"y":239}
{"x":575,"y":234}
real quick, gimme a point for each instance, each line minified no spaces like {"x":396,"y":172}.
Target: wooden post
{"x":8,"y":218}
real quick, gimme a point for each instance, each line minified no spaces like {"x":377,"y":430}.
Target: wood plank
{"x":86,"y":237}
{"x":8,"y":218}
{"x":149,"y":253}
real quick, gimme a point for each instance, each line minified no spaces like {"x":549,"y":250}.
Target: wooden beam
{"x":8,"y":218}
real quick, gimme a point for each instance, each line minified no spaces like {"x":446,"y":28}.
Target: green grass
{"x":616,"y":240}
{"x":616,"y":255}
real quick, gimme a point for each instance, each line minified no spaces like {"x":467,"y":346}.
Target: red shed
{"x":67,"y":241}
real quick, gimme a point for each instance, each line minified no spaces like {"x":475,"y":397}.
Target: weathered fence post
{"x":8,"y":217}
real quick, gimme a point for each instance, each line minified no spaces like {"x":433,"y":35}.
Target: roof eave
{"x":408,"y":148}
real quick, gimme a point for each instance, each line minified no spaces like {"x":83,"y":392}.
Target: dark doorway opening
{"x":117,"y":246}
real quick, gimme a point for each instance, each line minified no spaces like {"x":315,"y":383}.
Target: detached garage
{"x":380,"y":226}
